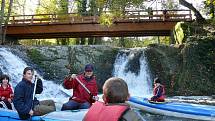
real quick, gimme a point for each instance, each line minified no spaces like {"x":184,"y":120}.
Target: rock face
{"x":164,"y":62}
{"x":52,"y":60}
{"x":187,"y":69}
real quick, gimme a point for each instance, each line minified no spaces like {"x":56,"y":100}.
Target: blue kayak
{"x":76,"y":115}
{"x":177,"y":109}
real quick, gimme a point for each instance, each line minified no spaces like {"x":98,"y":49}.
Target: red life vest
{"x":102,"y":112}
{"x":6,"y":92}
{"x":162,"y":97}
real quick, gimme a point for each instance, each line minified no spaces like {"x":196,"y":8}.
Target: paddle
{"x":35,"y":86}
{"x":34,"y":92}
{"x":155,"y":102}
{"x":87,"y":90}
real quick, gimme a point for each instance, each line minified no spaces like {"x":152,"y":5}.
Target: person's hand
{"x":68,"y":66}
{"x":11,"y":95}
{"x":9,"y":100}
{"x":96,"y":98}
{"x":73,"y":76}
{"x":31,"y":112}
{"x":2,"y":98}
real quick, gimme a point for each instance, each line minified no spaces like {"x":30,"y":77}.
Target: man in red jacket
{"x":81,"y":99}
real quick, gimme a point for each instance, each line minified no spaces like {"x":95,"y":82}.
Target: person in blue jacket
{"x":23,"y":97}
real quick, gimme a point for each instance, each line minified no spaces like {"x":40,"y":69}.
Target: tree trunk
{"x":98,"y":41}
{"x":159,"y":40}
{"x":90,"y":40}
{"x":2,"y":19}
{"x":122,"y":42}
{"x":7,"y":20}
{"x":64,"y":41}
{"x":77,"y":42}
{"x":82,"y":41}
{"x":199,"y":17}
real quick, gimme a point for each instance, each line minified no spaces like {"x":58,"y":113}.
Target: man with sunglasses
{"x":84,"y":89}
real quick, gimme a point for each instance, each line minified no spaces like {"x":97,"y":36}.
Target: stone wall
{"x":187,"y":69}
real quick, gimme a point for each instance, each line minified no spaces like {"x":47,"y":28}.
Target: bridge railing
{"x":159,"y":15}
{"x":130,"y":16}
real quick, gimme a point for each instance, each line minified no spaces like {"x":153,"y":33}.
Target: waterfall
{"x":131,"y":65}
{"x":13,"y":66}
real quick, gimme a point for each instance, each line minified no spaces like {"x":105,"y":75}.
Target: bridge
{"x":133,"y":23}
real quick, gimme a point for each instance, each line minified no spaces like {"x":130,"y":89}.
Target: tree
{"x":7,"y":20}
{"x":210,"y":5}
{"x":169,"y":4}
{"x":2,"y":19}
{"x":199,"y":17}
{"x":47,"y":7}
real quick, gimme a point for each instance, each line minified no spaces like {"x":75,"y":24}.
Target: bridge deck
{"x":136,"y":23}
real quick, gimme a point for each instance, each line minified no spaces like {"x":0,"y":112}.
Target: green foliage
{"x":179,"y":33}
{"x":132,"y":42}
{"x":197,"y":73}
{"x":128,"y":42}
{"x":118,"y":8}
{"x":106,"y":19}
{"x":47,"y":42}
{"x":169,"y":4}
{"x":36,"y":56}
{"x":63,"y":6}
{"x":208,"y":2}
{"x":47,"y":7}
{"x":120,"y":5}
{"x":209,"y":7}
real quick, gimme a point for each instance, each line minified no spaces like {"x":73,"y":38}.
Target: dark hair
{"x":4,"y":76}
{"x":157,"y":80}
{"x":27,"y":69}
{"x":116,"y":90}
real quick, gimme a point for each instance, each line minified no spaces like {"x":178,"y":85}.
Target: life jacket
{"x":99,"y":111}
{"x":6,"y":92}
{"x":162,"y":97}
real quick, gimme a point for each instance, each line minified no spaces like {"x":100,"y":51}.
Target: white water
{"x":13,"y":66}
{"x":139,"y":85}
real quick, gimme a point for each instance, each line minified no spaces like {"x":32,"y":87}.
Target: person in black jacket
{"x":23,"y":97}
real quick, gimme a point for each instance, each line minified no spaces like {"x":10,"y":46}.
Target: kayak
{"x":176,"y":109}
{"x":76,"y":115}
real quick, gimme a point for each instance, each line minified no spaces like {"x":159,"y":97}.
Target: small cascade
{"x":131,"y":65}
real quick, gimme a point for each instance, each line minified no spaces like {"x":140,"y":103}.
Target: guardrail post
{"x":190,"y":15}
{"x":32,"y":19}
{"x":13,"y":22}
